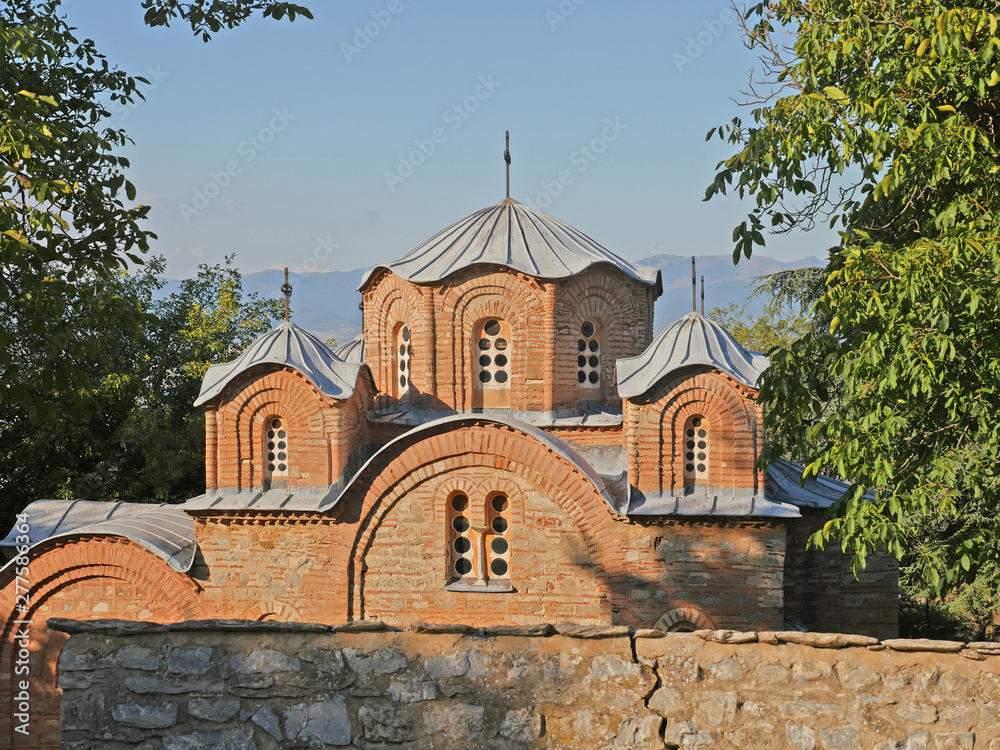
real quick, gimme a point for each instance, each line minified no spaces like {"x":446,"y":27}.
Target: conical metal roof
{"x":289,"y":345}
{"x":353,"y":351}
{"x":692,"y":340}
{"x":511,"y":234}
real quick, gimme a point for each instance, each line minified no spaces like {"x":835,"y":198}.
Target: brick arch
{"x":55,"y":571}
{"x":273,"y":610}
{"x":391,"y":300}
{"x":500,"y":294}
{"x":407,"y":463}
{"x":684,"y":616}
{"x":285,"y":393}
{"x":732,"y":430}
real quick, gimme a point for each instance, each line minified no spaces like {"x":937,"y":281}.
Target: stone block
{"x":954,"y":741}
{"x":521,"y":725}
{"x":216,"y":739}
{"x":385,"y":722}
{"x":668,"y":702}
{"x":800,"y":736}
{"x":412,"y":691}
{"x":811,"y":669}
{"x":923,"y":644}
{"x":726,"y":669}
{"x":456,"y":722}
{"x":840,"y":738}
{"x":325,"y":722}
{"x":145,"y":717}
{"x":209,"y":710}
{"x":918,"y":713}
{"x":138,"y":657}
{"x":265,"y":718}
{"x":86,"y":713}
{"x":189,"y":661}
{"x":264,"y":661}
{"x":727,"y":636}
{"x":641,"y":734}
{"x":715,"y":708}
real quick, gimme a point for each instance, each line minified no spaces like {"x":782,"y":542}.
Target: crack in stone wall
{"x":248,"y":686}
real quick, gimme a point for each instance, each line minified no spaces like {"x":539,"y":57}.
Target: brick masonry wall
{"x":267,"y":685}
{"x":544,"y":316}
{"x":654,"y":423}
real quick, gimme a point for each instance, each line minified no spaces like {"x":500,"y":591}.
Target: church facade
{"x":506,"y":443}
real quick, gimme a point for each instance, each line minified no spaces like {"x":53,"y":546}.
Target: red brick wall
{"x":323,"y":432}
{"x":654,"y":427}
{"x":544,"y":317}
{"x":90,"y":578}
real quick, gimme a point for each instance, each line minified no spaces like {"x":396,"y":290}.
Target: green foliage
{"x":883,"y":119}
{"x":773,"y":329}
{"x":207,"y":17}
{"x":142,"y":440}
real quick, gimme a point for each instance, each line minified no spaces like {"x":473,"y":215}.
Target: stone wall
{"x":247,"y":685}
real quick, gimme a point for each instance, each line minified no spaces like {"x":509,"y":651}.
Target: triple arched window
{"x":479,"y":555}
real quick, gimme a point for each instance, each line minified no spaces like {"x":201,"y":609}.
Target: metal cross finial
{"x":286,"y":289}
{"x":506,"y":158}
{"x":694,"y":287}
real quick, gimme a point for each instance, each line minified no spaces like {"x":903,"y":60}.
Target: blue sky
{"x":345,"y":141}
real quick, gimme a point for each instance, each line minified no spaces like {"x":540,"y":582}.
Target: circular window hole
{"x":499,"y":503}
{"x":689,"y":456}
{"x":484,"y":344}
{"x":460,"y":503}
{"x":270,"y":467}
{"x":492,"y":328}
{"x":402,"y":381}
{"x":281,"y":467}
{"x":460,"y":524}
{"x":581,"y":376}
{"x":499,"y":546}
{"x":501,"y":344}
{"x":581,"y":361}
{"x":595,"y":345}
{"x":281,"y":445}
{"x":501,"y":360}
{"x":690,"y":444}
{"x":593,"y":377}
{"x":702,"y":444}
{"x":701,"y":468}
{"x":270,"y":445}
{"x":500,"y":525}
{"x":696,"y":422}
{"x":276,"y":423}
{"x":485,"y":377}
{"x":405,"y":333}
{"x":689,"y":467}
{"x":462,"y":545}
{"x":587,"y":329}
{"x":282,"y":456}
{"x":594,"y":360}
{"x":402,"y":350}
{"x":485,"y":360}
{"x":270,"y":456}
{"x":701,"y":456}
{"x":501,"y":377}
{"x":690,"y":433}
{"x":498,"y":568}
{"x":270,"y":434}
{"x":702,"y":433}
{"x":402,"y":365}
{"x":463,"y":566}
{"x":281,"y":434}
{"x":581,"y":345}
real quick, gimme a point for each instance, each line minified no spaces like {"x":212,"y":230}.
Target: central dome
{"x":519,"y":237}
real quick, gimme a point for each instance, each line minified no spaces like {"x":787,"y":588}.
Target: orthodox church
{"x":505,"y":443}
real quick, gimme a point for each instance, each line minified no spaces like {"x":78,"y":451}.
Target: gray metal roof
{"x":783,"y":483}
{"x":511,"y":234}
{"x":692,"y":340}
{"x":289,"y":345}
{"x":353,"y":351}
{"x":165,"y":530}
{"x":300,"y":499}
{"x":709,"y":502}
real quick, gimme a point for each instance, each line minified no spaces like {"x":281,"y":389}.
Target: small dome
{"x":692,"y":340}
{"x":353,"y":351}
{"x":511,"y":234}
{"x":289,"y":345}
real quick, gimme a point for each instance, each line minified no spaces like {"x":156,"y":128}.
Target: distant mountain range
{"x":326,"y":302}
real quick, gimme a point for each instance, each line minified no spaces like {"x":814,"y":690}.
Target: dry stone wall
{"x":248,"y":686}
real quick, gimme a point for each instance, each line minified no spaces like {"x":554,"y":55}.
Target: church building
{"x":507,"y":442}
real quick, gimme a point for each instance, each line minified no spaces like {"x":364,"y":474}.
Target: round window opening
{"x":492,"y":328}
{"x":499,"y":503}
{"x":460,"y":503}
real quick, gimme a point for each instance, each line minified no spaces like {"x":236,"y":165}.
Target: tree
{"x":142,"y":440}
{"x":68,"y":222}
{"x":882,"y":118}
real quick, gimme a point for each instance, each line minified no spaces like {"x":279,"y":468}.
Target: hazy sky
{"x":345,"y":141}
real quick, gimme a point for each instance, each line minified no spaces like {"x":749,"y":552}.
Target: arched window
{"x":696,"y":450}
{"x":462,"y":551}
{"x":403,"y":352}
{"x":492,"y":354}
{"x":588,"y":359}
{"x":479,"y":556}
{"x":498,"y":535}
{"x":275,"y":451}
